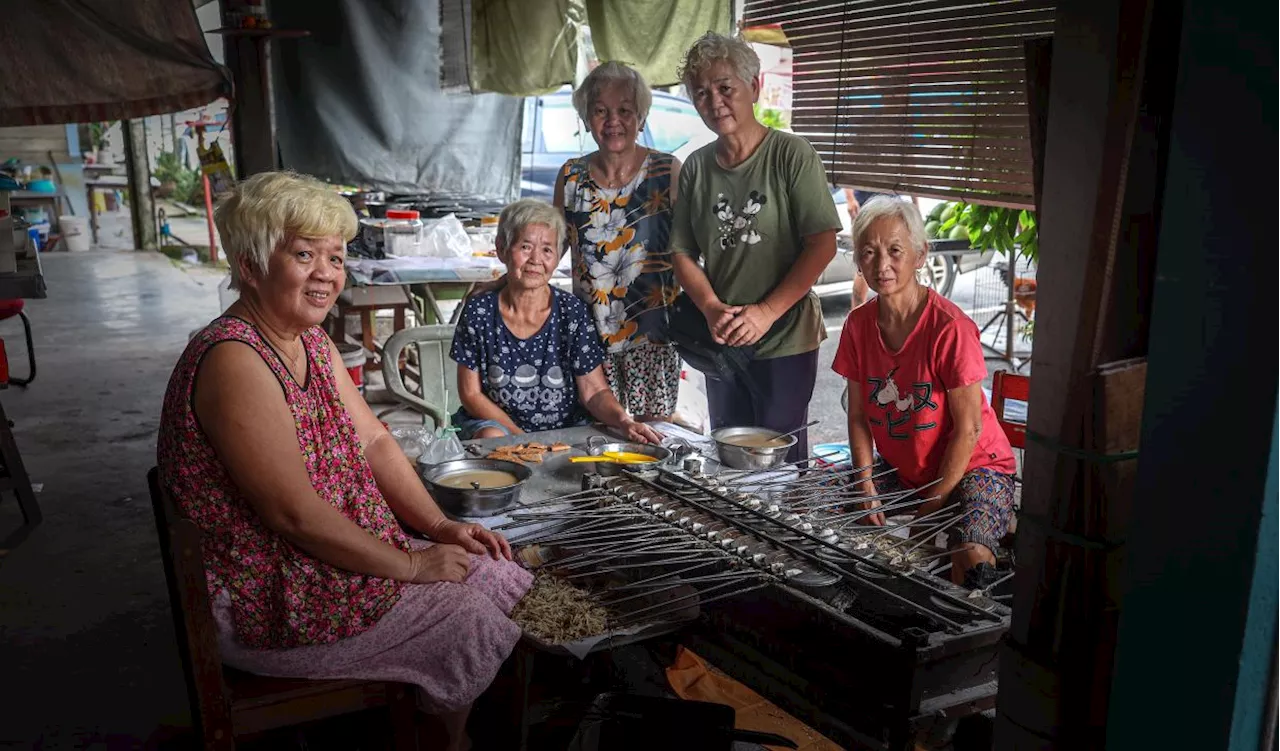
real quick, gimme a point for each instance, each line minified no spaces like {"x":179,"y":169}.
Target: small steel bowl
{"x":746,"y":457}
{"x":469,"y":502}
{"x":598,"y":446}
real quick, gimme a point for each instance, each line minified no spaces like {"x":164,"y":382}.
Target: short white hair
{"x":520,"y":214}
{"x":608,"y":74}
{"x":270,"y":208}
{"x":712,"y":48}
{"x":880,"y":207}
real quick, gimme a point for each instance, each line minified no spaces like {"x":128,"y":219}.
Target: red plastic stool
{"x":9,"y":309}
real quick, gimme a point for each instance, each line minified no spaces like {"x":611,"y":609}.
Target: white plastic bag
{"x":413,"y":440}
{"x":445,"y":447}
{"x":445,"y":238}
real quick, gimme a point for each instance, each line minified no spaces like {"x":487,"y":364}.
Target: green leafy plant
{"x":186,"y":181}
{"x":98,"y":133}
{"x":772,"y":118}
{"x":996,"y":228}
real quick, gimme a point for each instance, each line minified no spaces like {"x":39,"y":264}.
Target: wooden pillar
{"x":1058,"y":652}
{"x":253,"y":125}
{"x":141,"y":208}
{"x":1197,"y":636}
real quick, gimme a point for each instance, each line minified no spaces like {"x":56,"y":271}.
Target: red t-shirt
{"x":905,"y":392}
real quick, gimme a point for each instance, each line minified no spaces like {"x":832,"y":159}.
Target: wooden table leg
{"x":368,"y":319}
{"x":14,"y":475}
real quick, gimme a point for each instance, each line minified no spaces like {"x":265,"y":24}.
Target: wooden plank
{"x":1058,"y":626}
{"x":912,"y":36}
{"x":957,"y":22}
{"x":821,"y":68}
{"x":869,"y":11}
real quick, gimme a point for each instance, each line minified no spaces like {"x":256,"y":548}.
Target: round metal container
{"x":597,"y":446}
{"x":469,"y":502}
{"x":745,"y":457}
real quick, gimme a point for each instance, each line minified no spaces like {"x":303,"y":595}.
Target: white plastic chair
{"x":436,"y":374}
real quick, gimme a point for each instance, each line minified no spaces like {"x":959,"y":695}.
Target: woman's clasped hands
{"x":739,"y":325}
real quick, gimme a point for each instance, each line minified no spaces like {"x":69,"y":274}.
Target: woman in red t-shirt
{"x":915,"y":369}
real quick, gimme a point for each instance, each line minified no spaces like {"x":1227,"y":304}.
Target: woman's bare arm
{"x":479,"y":406}
{"x":965,"y":407}
{"x":242,"y":411}
{"x":861,"y":447}
{"x":598,"y":398}
{"x":396,"y":477}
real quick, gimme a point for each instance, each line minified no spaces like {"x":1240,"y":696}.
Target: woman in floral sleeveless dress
{"x":267,"y":446}
{"x":617,"y":202}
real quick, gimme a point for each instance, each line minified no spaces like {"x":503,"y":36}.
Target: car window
{"x":562,"y":131}
{"x":672,"y":126}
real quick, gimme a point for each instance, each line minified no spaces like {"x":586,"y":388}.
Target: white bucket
{"x":75,"y":232}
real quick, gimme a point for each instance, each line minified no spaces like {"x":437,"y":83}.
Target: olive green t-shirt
{"x":747,"y":226}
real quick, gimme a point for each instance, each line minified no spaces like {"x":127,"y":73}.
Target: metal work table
{"x":556,"y":475}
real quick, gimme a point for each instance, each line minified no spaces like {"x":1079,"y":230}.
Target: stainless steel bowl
{"x":471,"y":502}
{"x":745,"y":457}
{"x":598,"y":445}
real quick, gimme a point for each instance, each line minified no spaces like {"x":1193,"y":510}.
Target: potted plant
{"x":98,"y":142}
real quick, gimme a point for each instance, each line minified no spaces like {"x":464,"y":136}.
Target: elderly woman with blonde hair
{"x":753,"y":230}
{"x":266,"y":444}
{"x":617,"y":202}
{"x":528,"y":355}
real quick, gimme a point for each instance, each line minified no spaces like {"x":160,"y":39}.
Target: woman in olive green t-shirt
{"x":756,"y":211}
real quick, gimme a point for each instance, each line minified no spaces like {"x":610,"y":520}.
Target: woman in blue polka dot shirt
{"x":529,"y":357}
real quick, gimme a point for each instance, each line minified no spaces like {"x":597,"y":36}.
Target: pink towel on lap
{"x":448,"y":639}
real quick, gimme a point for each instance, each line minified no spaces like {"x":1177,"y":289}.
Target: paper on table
{"x":671,"y":430}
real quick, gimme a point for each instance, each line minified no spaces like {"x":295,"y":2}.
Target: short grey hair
{"x":607,"y":74}
{"x":711,"y":48}
{"x":520,"y":214}
{"x":880,"y":207}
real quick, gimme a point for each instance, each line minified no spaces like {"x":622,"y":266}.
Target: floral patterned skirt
{"x":645,"y":378}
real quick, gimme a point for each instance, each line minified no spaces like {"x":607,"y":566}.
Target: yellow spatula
{"x":615,"y":457}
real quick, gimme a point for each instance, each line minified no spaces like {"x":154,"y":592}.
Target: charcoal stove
{"x":851,"y":629}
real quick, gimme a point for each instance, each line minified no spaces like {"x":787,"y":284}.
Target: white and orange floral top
{"x":618,"y":238}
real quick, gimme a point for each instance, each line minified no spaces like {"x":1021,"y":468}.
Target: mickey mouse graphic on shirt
{"x":739,"y":226}
{"x":899,"y":408}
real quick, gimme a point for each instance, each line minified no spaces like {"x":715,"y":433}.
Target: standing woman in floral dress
{"x":617,"y":203}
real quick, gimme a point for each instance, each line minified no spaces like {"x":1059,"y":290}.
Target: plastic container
{"x":403,"y":231}
{"x":353,"y":359}
{"x":75,"y":232}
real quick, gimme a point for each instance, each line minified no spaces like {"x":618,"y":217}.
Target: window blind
{"x":922,"y":97}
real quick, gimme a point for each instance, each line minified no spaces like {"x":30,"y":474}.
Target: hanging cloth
{"x":524,"y":48}
{"x":652,"y":36}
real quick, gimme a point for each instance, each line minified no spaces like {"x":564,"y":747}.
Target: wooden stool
{"x":227,"y":704}
{"x":367,"y":301}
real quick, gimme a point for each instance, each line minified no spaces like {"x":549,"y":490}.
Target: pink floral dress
{"x":282,"y":612}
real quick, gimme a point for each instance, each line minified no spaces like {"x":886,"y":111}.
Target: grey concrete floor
{"x":86,"y":642}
